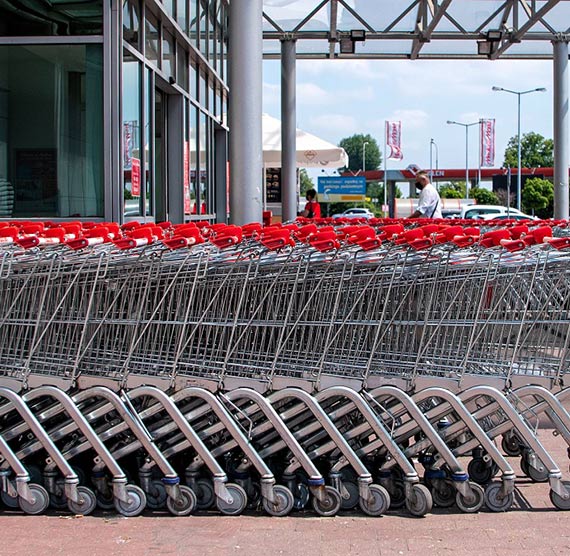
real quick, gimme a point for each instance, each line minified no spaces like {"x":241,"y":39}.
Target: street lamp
{"x":364,"y":156}
{"x":519,"y":94}
{"x":432,"y":143}
{"x":466,"y":126}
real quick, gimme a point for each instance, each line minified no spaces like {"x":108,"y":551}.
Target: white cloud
{"x":332,"y":127}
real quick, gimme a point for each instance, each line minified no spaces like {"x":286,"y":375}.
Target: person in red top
{"x":312,"y":208}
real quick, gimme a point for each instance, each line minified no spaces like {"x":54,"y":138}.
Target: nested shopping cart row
{"x":338,"y":367}
{"x":196,"y":450}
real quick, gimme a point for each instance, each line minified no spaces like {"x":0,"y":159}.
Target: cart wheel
{"x":511,"y":445}
{"x":479,"y":471}
{"x":237,"y":506}
{"x":330,"y":505}
{"x":421,"y":501}
{"x":397,"y":493}
{"x":205,"y":496}
{"x":301,"y":495}
{"x":9,"y":501}
{"x":353,"y":496}
{"x":136,"y":502}
{"x":470,"y":506}
{"x":558,"y":501}
{"x":87,"y":502}
{"x":444,"y":494}
{"x":156,"y":497}
{"x":537,"y":475}
{"x":105,"y":501}
{"x":284,"y":502}
{"x":185,"y":504}
{"x":58,"y":501}
{"x":494,"y":501}
{"x":40,"y":502}
{"x":378,"y":503}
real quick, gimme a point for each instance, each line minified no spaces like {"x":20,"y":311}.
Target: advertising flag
{"x":394,"y":139}
{"x":487,"y":135}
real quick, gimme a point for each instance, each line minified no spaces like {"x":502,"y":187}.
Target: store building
{"x":113,"y":110}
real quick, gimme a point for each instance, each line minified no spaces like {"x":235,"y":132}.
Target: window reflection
{"x":151,"y":38}
{"x":51,"y":131}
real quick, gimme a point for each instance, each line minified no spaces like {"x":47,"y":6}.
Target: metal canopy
{"x":414,"y":29}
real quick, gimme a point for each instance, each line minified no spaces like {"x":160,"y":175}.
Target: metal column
{"x":288,"y":130}
{"x":245,"y":108}
{"x":561,"y":121}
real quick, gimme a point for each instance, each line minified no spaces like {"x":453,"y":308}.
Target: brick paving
{"x":533,"y":526}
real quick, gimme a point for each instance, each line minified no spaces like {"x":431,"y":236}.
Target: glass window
{"x":49,"y":19}
{"x":169,"y":7}
{"x":168,"y":67}
{"x":148,"y":145}
{"x":193,"y":158}
{"x":186,"y":162}
{"x":51,"y":131}
{"x":182,"y":15}
{"x":152,"y":44}
{"x":211,"y":104}
{"x":202,"y":81}
{"x":204,"y":173}
{"x":203,"y":28}
{"x":193,"y":80}
{"x":182,"y":71}
{"x":132,"y":191}
{"x":131,"y":18}
{"x":193,"y":34}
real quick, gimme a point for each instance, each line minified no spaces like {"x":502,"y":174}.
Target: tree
{"x":538,"y":197}
{"x":306,"y":182}
{"x":484,"y":196}
{"x":452,"y":190}
{"x":536,"y":151}
{"x":354,"y":147}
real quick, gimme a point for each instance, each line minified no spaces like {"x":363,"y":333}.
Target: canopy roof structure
{"x":312,"y":152}
{"x":413,"y":29}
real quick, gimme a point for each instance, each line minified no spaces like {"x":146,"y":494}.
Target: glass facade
{"x":51,"y":130}
{"x":129,"y":139}
{"x":182,"y":53}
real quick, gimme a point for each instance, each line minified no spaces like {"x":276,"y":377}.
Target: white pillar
{"x":288,"y":130}
{"x":561,"y":121}
{"x":245,"y":69}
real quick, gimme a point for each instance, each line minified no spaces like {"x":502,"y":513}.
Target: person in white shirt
{"x":429,"y":203}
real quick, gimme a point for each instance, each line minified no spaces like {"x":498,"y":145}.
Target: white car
{"x":355,"y":213}
{"x":490,"y":212}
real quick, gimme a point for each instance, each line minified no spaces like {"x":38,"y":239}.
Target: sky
{"x":339,"y":98}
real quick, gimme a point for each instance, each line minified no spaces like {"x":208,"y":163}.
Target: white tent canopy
{"x":312,"y":152}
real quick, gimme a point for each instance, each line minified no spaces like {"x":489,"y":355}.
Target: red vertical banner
{"x":394,"y":139}
{"x":187,"y":206}
{"x":135,"y":177}
{"x":487,"y":136}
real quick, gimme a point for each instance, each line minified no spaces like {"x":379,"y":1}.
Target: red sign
{"x":394,"y":139}
{"x":487,"y":135}
{"x":135,"y":177}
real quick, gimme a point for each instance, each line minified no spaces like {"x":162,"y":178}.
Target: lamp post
{"x":364,"y":156}
{"x":466,"y":126}
{"x":519,"y":94}
{"x":432,"y":143}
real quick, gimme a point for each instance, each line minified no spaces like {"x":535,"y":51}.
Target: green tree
{"x":452,"y":190}
{"x":306,"y":182}
{"x":538,"y":197}
{"x":484,"y":196}
{"x":536,"y":151}
{"x":354,"y":147}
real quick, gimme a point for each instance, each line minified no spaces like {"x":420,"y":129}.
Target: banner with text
{"x":341,"y":189}
{"x":487,"y":135}
{"x":394,"y":139}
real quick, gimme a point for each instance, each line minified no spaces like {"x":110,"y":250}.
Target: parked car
{"x":355,"y":212}
{"x":490,"y":212}
{"x":517,"y":216}
{"x":451,"y":213}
